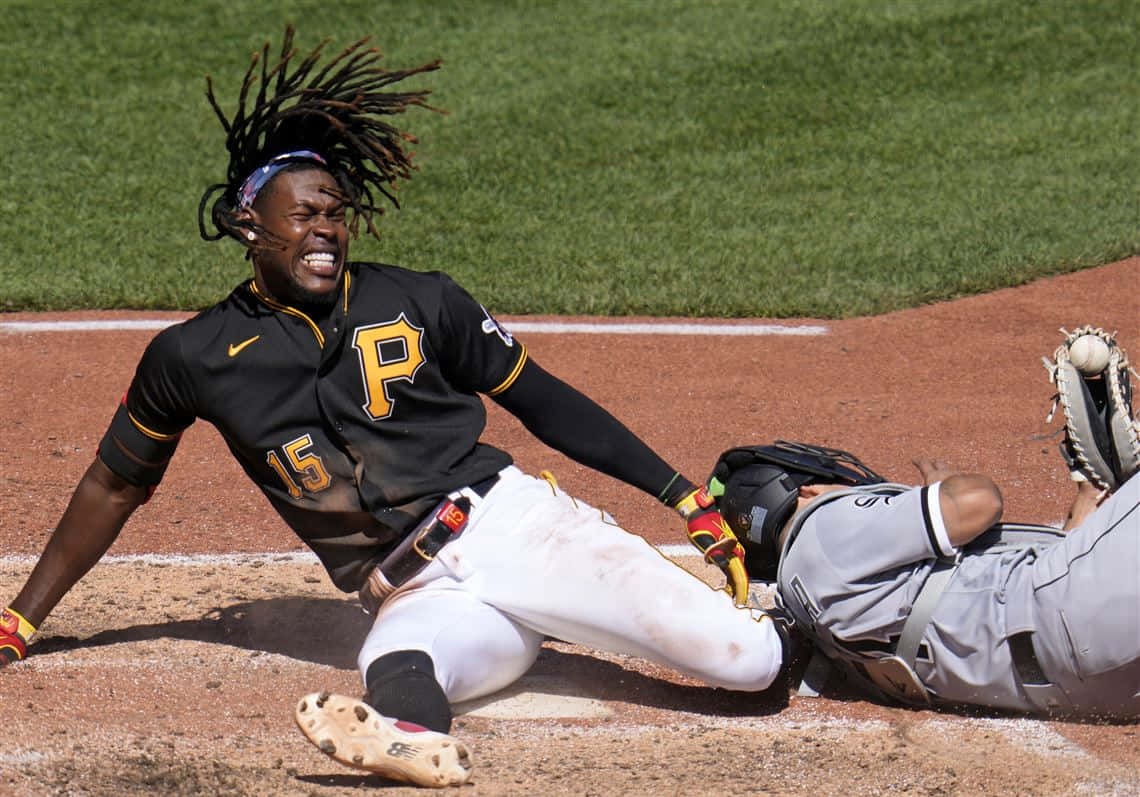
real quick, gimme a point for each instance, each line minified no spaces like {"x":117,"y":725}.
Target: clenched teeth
{"x":321,"y":258}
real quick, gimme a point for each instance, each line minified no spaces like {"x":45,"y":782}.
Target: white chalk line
{"x":265,"y":558}
{"x":582,"y":328}
{"x":84,"y":326}
{"x":536,"y":327}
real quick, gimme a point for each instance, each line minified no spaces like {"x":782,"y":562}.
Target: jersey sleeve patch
{"x":477,"y":354}
{"x":491,"y":326}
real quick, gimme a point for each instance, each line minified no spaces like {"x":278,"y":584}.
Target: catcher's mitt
{"x":1102,"y":439}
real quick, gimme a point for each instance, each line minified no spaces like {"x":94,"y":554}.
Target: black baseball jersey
{"x":353,"y":425}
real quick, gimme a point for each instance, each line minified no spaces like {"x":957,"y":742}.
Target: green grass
{"x":733,"y":158}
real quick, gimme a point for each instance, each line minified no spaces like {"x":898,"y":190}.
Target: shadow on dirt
{"x":362,"y":781}
{"x":572,"y":674}
{"x":317,"y":630}
{"x":329,"y":632}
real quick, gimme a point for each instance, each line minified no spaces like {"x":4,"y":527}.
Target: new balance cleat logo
{"x":402,"y":750}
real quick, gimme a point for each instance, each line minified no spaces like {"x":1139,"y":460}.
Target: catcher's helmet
{"x":757,"y":502}
{"x":756,"y":489}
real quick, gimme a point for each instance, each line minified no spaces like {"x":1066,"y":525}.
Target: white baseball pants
{"x":534,"y":562}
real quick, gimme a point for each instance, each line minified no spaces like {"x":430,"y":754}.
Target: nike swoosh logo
{"x":234,"y":349}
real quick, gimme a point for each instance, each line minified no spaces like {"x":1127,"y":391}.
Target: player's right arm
{"x":132,"y":459}
{"x":970,"y":502}
{"x":99,"y":507}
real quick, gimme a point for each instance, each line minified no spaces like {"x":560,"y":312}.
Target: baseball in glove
{"x":1094,"y":393}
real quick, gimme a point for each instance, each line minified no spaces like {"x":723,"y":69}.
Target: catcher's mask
{"x":756,"y":488}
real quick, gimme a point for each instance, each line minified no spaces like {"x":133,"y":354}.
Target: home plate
{"x":534,"y":697}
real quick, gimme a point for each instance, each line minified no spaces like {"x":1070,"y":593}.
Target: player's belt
{"x":481,"y":488}
{"x":442,"y":525}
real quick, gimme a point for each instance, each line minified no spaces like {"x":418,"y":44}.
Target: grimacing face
{"x":304,"y":209}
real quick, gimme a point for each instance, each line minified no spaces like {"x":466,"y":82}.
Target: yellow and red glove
{"x":15,"y":633}
{"x":712,"y":536}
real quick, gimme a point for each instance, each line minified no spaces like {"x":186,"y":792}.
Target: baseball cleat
{"x":354,"y":734}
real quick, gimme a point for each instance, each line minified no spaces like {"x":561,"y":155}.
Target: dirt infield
{"x":168,"y":670}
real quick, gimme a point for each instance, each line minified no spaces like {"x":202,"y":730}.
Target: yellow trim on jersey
{"x":150,"y":432}
{"x":513,"y":375}
{"x":295,"y":312}
{"x":284,"y":308}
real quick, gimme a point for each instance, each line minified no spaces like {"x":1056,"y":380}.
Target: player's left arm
{"x":481,"y":355}
{"x":477,"y":354}
{"x":556,"y":414}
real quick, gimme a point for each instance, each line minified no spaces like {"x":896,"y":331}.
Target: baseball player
{"x":349,"y":392}
{"x":919,"y":594}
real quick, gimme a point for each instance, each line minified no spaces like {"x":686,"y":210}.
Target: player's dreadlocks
{"x":329,"y":116}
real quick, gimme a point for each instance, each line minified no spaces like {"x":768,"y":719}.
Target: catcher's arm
{"x":970,"y":502}
{"x":100,"y":506}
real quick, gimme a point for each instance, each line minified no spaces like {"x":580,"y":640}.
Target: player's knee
{"x":764,"y":665}
{"x":402,"y":684}
{"x":748,"y":663}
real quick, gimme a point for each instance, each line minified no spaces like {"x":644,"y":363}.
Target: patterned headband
{"x":260,"y":176}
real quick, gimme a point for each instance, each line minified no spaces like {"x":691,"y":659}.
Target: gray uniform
{"x":1030,"y":620}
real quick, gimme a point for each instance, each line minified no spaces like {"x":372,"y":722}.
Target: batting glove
{"x":712,"y":536}
{"x":15,"y":633}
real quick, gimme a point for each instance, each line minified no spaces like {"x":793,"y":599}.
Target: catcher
{"x":920,"y":595}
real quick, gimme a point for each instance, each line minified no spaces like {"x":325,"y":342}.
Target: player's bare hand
{"x":709,"y":532}
{"x":933,"y":470}
{"x":1088,"y":498}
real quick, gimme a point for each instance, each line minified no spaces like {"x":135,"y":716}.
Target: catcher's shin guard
{"x":352,"y":733}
